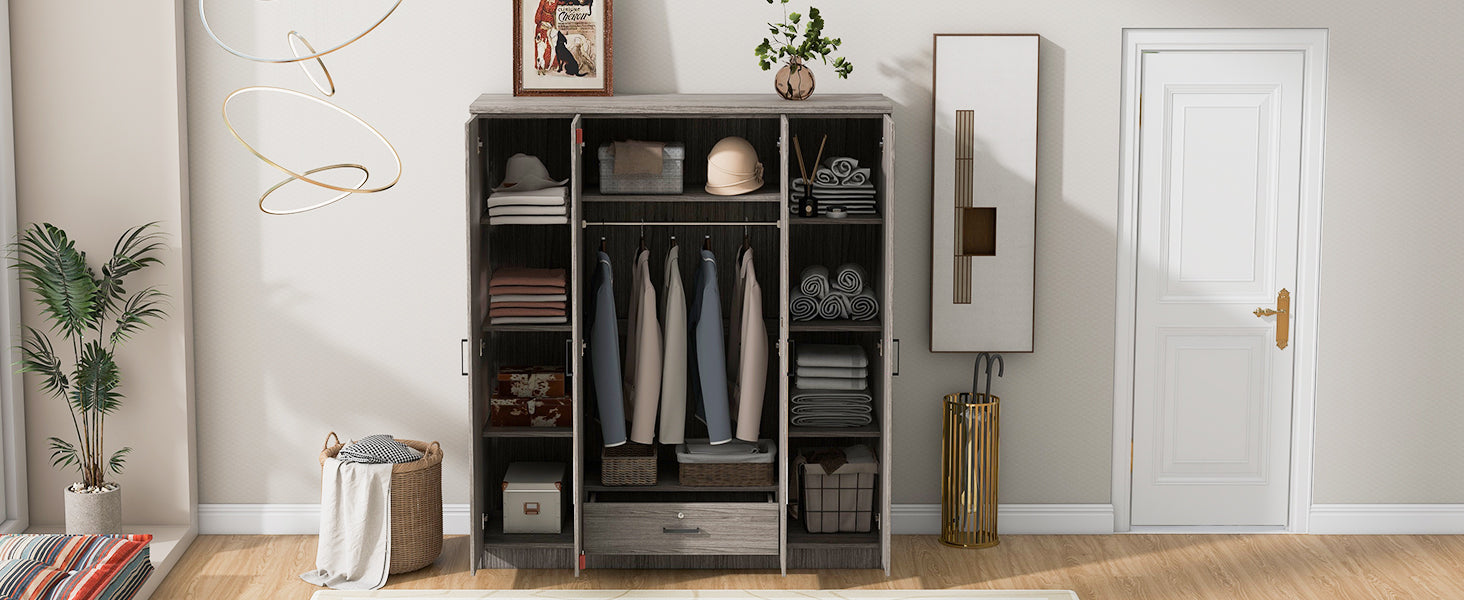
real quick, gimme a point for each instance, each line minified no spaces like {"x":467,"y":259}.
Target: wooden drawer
{"x":681,"y":527}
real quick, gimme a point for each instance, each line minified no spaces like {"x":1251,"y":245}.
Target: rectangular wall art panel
{"x":985,"y":193}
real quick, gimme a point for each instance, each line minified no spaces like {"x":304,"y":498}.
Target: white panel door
{"x":1219,"y":178}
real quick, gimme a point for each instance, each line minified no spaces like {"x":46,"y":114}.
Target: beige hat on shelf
{"x":526,"y":173}
{"x":733,"y":168}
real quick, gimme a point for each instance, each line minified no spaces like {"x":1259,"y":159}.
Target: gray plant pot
{"x":94,"y":513}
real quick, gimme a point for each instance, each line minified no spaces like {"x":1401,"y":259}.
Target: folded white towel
{"x":830,"y":383}
{"x":526,"y":220}
{"x":543,"y":211}
{"x":831,"y":355}
{"x":845,"y":372}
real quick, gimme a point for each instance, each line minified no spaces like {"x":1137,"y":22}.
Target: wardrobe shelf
{"x":493,"y":536}
{"x":693,"y":194}
{"x":484,"y":222}
{"x":563,"y":327}
{"x":865,"y":431}
{"x":837,"y":326}
{"x":798,"y":536}
{"x":865,"y":220}
{"x":490,"y":431}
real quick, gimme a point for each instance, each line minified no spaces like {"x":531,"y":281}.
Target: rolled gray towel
{"x":814,"y":281}
{"x":849,"y":278}
{"x":842,"y":166}
{"x":824,"y":176}
{"x":834,"y":306}
{"x":863,"y":306}
{"x":857,"y":177}
{"x":803,"y":308}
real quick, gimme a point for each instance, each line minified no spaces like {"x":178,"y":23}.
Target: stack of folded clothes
{"x":528,"y":196}
{"x":839,"y":183}
{"x":518,"y":295}
{"x":843,"y":293}
{"x":830,"y":387}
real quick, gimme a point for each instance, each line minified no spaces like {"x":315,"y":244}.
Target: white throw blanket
{"x":354,"y":552}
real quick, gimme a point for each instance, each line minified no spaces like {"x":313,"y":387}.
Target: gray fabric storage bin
{"x":840,"y":501}
{"x":669,"y":181}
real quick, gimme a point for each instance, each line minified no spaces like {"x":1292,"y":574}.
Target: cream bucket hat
{"x":733,"y":168}
{"x":526,"y":173}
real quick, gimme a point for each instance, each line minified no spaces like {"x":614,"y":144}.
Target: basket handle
{"x":327,"y":439}
{"x":433,"y":445}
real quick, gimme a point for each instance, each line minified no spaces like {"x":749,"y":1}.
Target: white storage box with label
{"x":531,"y":497}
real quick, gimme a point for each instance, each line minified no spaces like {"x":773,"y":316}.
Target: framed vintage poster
{"x":562,"y":48}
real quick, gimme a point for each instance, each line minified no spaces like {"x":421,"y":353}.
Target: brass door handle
{"x":1283,"y":324}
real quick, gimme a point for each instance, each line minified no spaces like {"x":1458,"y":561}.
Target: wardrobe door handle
{"x":687,"y":530}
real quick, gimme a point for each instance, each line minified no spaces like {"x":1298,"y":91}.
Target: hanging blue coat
{"x":709,"y":352}
{"x":605,"y":356}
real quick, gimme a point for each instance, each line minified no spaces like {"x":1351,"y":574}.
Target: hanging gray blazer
{"x":642,"y":354}
{"x":605,"y":356}
{"x":673,"y":367}
{"x":710,"y":383}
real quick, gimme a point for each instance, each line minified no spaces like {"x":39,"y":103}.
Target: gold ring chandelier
{"x":301,"y":51}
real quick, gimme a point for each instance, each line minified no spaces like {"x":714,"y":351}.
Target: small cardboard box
{"x":530,"y":412}
{"x":530,"y":382}
{"x":531,"y":497}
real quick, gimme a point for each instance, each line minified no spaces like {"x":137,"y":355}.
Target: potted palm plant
{"x":91,"y":314}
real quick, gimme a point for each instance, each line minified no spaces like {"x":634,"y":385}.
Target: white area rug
{"x":703,"y":594}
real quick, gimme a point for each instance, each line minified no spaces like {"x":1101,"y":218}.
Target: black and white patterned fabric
{"x":378,"y":449}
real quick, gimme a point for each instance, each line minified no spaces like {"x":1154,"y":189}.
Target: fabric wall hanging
{"x":985,"y":192}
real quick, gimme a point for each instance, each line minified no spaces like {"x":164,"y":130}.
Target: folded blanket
{"x":856,"y":177}
{"x":497,"y":312}
{"x":832,"y":409}
{"x":814,"y":281}
{"x":528,"y":220}
{"x":378,"y":449}
{"x":831,"y":355}
{"x":536,"y":290}
{"x":546,"y":197}
{"x":830,"y":421}
{"x":535,"y":211}
{"x":802,"y":307}
{"x":825,"y":176}
{"x":527,"y":320}
{"x":849,"y":278}
{"x":560,"y":297}
{"x":834,"y":306}
{"x":830,"y":383}
{"x":842,"y":166}
{"x":558,"y":305}
{"x":527,"y":276}
{"x":846,"y":372}
{"x":863,"y":306}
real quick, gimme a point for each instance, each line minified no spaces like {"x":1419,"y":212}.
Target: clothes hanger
{"x":643,"y":237}
{"x":707,"y":243}
{"x":602,"y":243}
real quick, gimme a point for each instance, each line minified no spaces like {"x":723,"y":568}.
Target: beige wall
{"x":348,"y":318}
{"x":99,"y":148}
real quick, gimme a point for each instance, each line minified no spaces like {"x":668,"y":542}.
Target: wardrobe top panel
{"x":682,"y":105}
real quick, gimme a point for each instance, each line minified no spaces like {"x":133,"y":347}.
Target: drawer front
{"x":681,"y":527}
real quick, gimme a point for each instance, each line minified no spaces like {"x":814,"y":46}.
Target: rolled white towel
{"x":857,"y":177}
{"x":824,"y":176}
{"x":863,"y":306}
{"x":834,"y":306}
{"x":803,"y":307}
{"x":849,"y":278}
{"x":842,"y":166}
{"x":814,"y":281}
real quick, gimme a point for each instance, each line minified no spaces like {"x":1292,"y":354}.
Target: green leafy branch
{"x":785,"y":42}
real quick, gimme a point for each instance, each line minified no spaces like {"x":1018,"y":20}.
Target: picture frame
{"x":563,"y":48}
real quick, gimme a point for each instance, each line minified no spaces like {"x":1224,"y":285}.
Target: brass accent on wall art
{"x":1282,"y":312}
{"x":968,"y":473}
{"x":965,"y":172}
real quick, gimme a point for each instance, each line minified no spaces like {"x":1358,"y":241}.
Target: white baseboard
{"x":293,"y":519}
{"x":1013,"y":519}
{"x":304,"y":519}
{"x":1395,"y":519}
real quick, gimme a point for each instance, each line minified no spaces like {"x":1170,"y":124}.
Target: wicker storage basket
{"x":746,"y":473}
{"x":416,"y":505}
{"x":669,"y":181}
{"x":628,"y":464}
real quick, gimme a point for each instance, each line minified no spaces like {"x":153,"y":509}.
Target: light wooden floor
{"x":1127,"y":567}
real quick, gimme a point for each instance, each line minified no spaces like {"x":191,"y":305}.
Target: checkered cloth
{"x":377,"y":449}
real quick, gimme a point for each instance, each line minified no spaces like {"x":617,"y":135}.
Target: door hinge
{"x":482,"y":348}
{"x":484,"y":524}
{"x":480,"y":145}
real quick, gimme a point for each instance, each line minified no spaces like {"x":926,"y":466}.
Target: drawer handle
{"x":691,"y":530}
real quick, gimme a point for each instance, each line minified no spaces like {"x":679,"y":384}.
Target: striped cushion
{"x":89,"y":567}
{"x":22,"y":578}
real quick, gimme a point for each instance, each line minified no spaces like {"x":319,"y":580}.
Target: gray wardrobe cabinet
{"x":669,"y":525}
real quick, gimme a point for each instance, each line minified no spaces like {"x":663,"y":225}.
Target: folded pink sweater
{"x":525,"y":312}
{"x":527,"y":276}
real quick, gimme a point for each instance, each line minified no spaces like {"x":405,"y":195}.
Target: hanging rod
{"x":584,"y":224}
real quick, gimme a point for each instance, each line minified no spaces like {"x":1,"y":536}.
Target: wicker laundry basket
{"x":416,"y":505}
